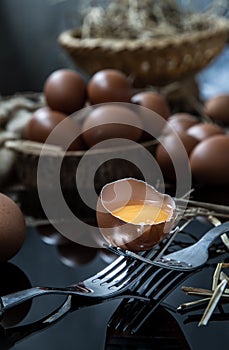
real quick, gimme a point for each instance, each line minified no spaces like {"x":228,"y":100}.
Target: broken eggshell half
{"x":126,"y":234}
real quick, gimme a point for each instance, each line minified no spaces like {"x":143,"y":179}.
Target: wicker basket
{"x":28,"y":154}
{"x":153,"y":62}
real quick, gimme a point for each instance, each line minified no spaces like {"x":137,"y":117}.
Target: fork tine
{"x":123,"y":270}
{"x":125,"y":273}
{"x":144,"y":312}
{"x":156,"y":287}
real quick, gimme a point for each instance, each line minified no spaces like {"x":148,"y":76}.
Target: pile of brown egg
{"x":206,"y":144}
{"x":66,"y":92}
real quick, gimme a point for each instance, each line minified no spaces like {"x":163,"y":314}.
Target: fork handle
{"x":11,"y":300}
{"x":16,"y":298}
{"x":212,"y":234}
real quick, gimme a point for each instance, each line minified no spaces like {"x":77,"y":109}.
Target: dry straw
{"x":153,"y":42}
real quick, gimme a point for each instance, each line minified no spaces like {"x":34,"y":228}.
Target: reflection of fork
{"x":116,"y":279}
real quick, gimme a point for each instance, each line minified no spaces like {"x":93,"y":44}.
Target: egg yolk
{"x":144,"y":213}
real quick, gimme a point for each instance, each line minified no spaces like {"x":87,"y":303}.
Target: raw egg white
{"x":128,"y":234}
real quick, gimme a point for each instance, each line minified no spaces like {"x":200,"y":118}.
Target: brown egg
{"x":65,"y":91}
{"x":134,"y":231}
{"x":12,"y":228}
{"x":210,"y":162}
{"x":42,"y":123}
{"x":109,"y":85}
{"x":170,"y":149}
{"x":203,"y":131}
{"x":153,"y":101}
{"x":156,"y":103}
{"x":111,"y":121}
{"x":180,"y":122}
{"x":217,"y":108}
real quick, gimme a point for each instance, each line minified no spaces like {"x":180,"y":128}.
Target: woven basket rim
{"x":71,"y":38}
{"x":35,"y":148}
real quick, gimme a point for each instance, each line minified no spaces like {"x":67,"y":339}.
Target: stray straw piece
{"x":225,"y":240}
{"x":213,"y":303}
{"x":192,"y":303}
{"x":216,"y":276}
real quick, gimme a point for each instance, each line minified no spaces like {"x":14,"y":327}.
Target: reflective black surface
{"x":96,"y":327}
{"x":43,"y":264}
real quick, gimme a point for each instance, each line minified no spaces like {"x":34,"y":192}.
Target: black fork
{"x":156,"y":284}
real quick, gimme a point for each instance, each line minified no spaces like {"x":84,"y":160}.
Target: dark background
{"x":29,"y":30}
{"x":28,"y":35}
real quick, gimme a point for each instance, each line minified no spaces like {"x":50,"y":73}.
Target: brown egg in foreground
{"x":109,"y":85}
{"x":42,"y":123}
{"x":110,"y":121}
{"x":134,"y":230}
{"x":65,"y":91}
{"x":12,"y":228}
{"x":210,"y":162}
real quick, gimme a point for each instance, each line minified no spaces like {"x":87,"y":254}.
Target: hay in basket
{"x":155,"y":43}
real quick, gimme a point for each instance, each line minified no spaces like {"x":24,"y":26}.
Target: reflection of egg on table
{"x":73,"y":254}
{"x":12,"y":228}
{"x":13,"y":279}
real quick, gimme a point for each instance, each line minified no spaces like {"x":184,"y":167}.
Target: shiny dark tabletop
{"x":45,"y":260}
